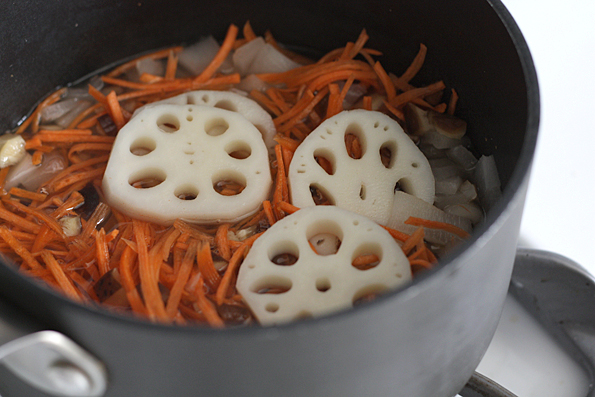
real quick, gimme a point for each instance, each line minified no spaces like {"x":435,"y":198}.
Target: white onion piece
{"x":80,"y":106}
{"x":406,"y":205}
{"x":469,"y":211}
{"x":439,"y":141}
{"x":150,"y":66}
{"x":58,"y":109}
{"x":468,"y":190}
{"x":354,"y":93}
{"x":442,"y":201}
{"x":196,"y":57}
{"x":31,"y":177}
{"x":431,"y":152}
{"x":257,"y":56}
{"x":449,"y":171}
{"x":252,"y":82}
{"x":462,"y":156}
{"x":448,"y":185}
{"x":487,"y":181}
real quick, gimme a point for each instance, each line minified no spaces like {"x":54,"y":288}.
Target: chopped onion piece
{"x":354,"y":93}
{"x":257,"y":56}
{"x":80,"y":106}
{"x":462,"y":156}
{"x":196,"y":57}
{"x":468,"y":190}
{"x":448,"y":185}
{"x":406,"y":205}
{"x":487,"y":181}
{"x":469,"y":211}
{"x":252,"y":82}
{"x":439,"y":141}
{"x":58,"y":109}
{"x":150,"y":66}
{"x":31,"y":177}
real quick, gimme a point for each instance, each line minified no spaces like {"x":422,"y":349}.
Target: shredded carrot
{"x":268,"y":210}
{"x":247,"y":31}
{"x":206,"y":306}
{"x":15,"y":191}
{"x":206,"y":266}
{"x":3,"y":174}
{"x":286,"y":207}
{"x":224,"y":50}
{"x":232,"y":267}
{"x":389,"y":87}
{"x":175,"y":293}
{"x":452,"y":103}
{"x":102,"y":252}
{"x":151,"y":293}
{"x":172,"y":65}
{"x":131,"y":64}
{"x":114,"y":110}
{"x":221,"y":241}
{"x":64,"y":281}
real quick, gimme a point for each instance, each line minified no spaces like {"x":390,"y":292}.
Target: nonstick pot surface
{"x":473,"y":46}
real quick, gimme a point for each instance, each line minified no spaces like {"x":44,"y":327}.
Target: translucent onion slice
{"x":257,"y":56}
{"x":31,"y":177}
{"x":406,"y":205}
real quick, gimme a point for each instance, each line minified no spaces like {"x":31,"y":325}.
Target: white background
{"x":559,"y":212}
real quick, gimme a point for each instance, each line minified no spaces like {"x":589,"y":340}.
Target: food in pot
{"x":152,"y":189}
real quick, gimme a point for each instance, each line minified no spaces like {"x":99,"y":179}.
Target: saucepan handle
{"x":561,"y":295}
{"x":47,"y":360}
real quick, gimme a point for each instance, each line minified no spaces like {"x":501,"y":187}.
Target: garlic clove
{"x":12,"y":149}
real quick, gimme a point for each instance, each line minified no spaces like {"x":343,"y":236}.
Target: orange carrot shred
{"x":224,"y":50}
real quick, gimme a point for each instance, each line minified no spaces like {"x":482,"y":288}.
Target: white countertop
{"x":559,"y":212}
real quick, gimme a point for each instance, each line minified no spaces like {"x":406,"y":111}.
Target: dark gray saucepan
{"x":424,"y":340}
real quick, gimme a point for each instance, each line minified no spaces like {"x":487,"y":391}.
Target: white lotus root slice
{"x":282,"y":278}
{"x":230,"y":101}
{"x":389,"y":162}
{"x":172,"y":161}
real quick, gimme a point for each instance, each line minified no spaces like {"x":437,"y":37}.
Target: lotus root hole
{"x":326,"y":161}
{"x":321,"y":196}
{"x":226,"y":105}
{"x":143,"y":146}
{"x":323,"y":284}
{"x":229,"y":183}
{"x":216,"y":126}
{"x":239,"y":150}
{"x":367,"y":256}
{"x":354,"y":141}
{"x":284,"y":253}
{"x":186,"y":192}
{"x":388,"y":154}
{"x":168,"y":123}
{"x":271,"y":285}
{"x":147,"y":178}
